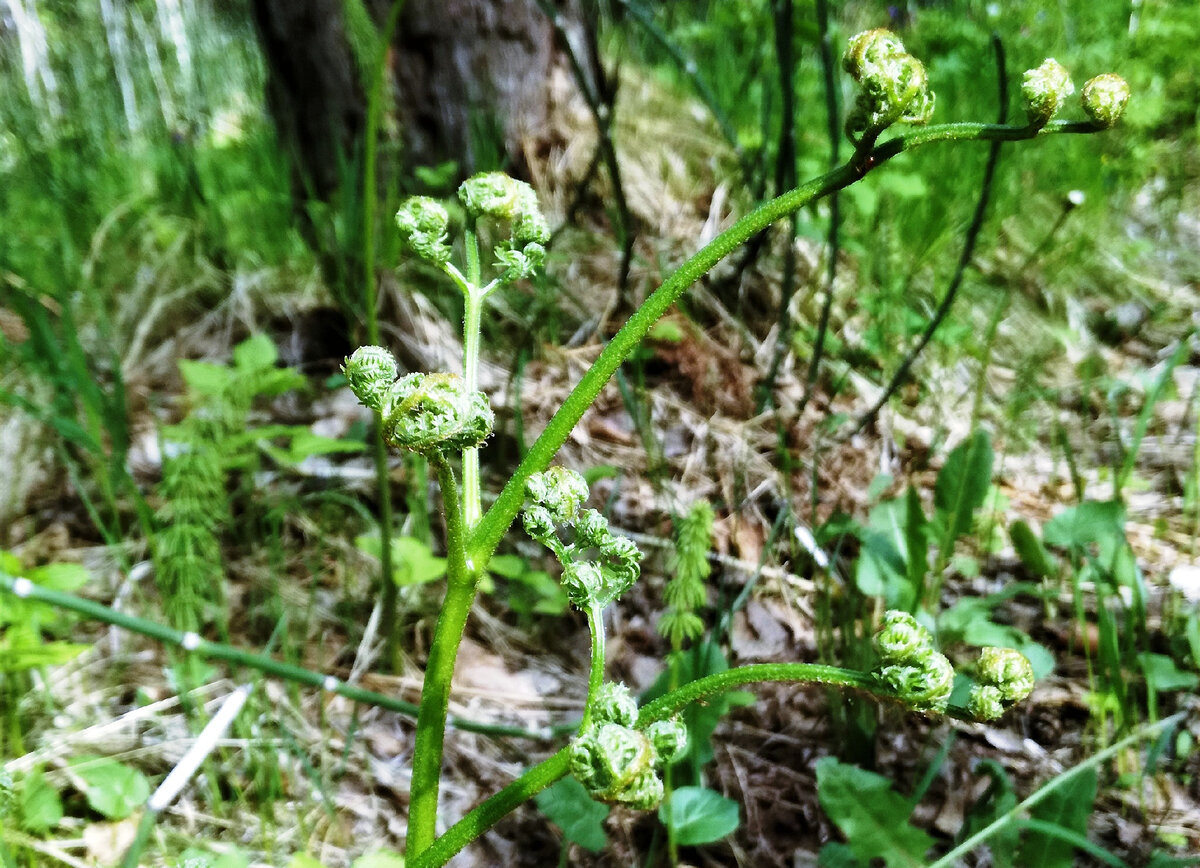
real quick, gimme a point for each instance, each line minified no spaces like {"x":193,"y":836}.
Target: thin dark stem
{"x":972,"y":236}
{"x":785,"y":179}
{"x":388,"y":590}
{"x":699,"y":84}
{"x":600,"y":97}
{"x":833,"y":242}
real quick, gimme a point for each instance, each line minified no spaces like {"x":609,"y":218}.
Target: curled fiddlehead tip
{"x":920,"y":676}
{"x":559,"y":490}
{"x":370,"y":370}
{"x":1104,"y":99}
{"x":1008,"y":670}
{"x":670,"y":738}
{"x":598,"y":566}
{"x":499,"y":197}
{"x":923,"y":683}
{"x":900,"y":637}
{"x":614,"y":704}
{"x":583,"y":583}
{"x":516,"y":263}
{"x":435,"y":413}
{"x":491,"y":194}
{"x":895,"y":86}
{"x":1044,"y":90}
{"x":608,"y":757}
{"x":985,"y":702}
{"x":618,"y":763}
{"x":423,"y":224}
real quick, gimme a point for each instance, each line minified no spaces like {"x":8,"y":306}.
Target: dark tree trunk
{"x":471,"y":76}
{"x":467,"y":73}
{"x":312,"y":87}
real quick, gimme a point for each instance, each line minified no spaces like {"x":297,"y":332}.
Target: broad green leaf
{"x":581,"y":818}
{"x":507,"y":566}
{"x":10,"y":564}
{"x":963,"y":482}
{"x":1069,"y":806}
{"x":1030,"y":550}
{"x":872,"y":816}
{"x":996,"y":802}
{"x":837,"y":855}
{"x":231,"y":859}
{"x":1090,"y":522}
{"x":1163,"y":675}
{"x":304,"y":444}
{"x":204,"y":378}
{"x":59,"y":577}
{"x":698,"y":815}
{"x":41,"y":806}
{"x":379,"y":859}
{"x":882,"y":569}
{"x":303,"y":860}
{"x":112,"y":789}
{"x":256,"y":352}
{"x":21,"y":656}
{"x":415,"y":564}
{"x":916,"y":540}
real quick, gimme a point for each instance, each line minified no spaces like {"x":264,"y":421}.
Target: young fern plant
{"x":619,"y":752}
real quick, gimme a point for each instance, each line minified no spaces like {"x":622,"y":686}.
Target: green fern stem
{"x":494,"y":809}
{"x":462,"y":583}
{"x":491,"y":528}
{"x":488,"y":813}
{"x":595,"y":618}
{"x":472,"y":316}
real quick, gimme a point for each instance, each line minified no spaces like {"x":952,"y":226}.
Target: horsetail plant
{"x":620,"y":751}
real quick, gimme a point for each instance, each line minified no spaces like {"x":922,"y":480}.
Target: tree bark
{"x":313,"y":90}
{"x":470,"y":82}
{"x":471,"y":79}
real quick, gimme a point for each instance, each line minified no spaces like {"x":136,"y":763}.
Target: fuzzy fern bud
{"x":560,"y":490}
{"x":538,"y":521}
{"x":423,"y":223}
{"x":985,"y":702}
{"x":923,"y":683}
{"x":1104,"y":99}
{"x":370,"y":370}
{"x":669,"y":738}
{"x":608,"y":757}
{"x":583,"y":583}
{"x":894,"y":84}
{"x":1008,"y":670}
{"x":614,"y":704}
{"x":516,"y":264}
{"x":435,"y":413}
{"x":618,"y":763}
{"x":1044,"y":90}
{"x":921,"y":677}
{"x":644,"y":793}
{"x":591,"y":529}
{"x":900,"y":637}
{"x":491,"y":194}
